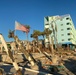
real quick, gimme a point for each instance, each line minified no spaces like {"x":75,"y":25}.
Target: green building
{"x":63,"y":30}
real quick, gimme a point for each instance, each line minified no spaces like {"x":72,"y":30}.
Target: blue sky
{"x":32,"y":12}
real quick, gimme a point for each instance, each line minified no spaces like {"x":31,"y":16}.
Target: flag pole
{"x":15,"y":27}
{"x":15,"y":31}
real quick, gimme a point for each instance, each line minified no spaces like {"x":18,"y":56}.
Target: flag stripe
{"x":21,"y":27}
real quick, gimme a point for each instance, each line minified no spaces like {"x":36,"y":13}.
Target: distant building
{"x":63,"y":30}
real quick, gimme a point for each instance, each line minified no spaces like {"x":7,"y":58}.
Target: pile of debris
{"x":43,"y":62}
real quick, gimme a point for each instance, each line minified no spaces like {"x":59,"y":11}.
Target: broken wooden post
{"x":21,"y":48}
{"x":9,"y":53}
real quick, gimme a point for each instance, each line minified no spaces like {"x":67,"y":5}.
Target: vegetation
{"x":28,"y":29}
{"x":37,"y":33}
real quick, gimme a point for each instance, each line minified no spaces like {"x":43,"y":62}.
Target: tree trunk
{"x":27,"y":41}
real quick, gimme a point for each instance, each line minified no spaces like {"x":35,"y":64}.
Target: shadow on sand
{"x":71,"y":65}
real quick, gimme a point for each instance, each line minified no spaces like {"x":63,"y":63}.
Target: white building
{"x":63,"y":30}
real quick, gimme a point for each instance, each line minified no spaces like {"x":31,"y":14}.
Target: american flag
{"x":21,"y":27}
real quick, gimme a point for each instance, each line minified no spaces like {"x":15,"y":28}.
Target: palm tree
{"x":47,"y":32}
{"x":43,"y":34}
{"x":35,"y":35}
{"x":55,"y":33}
{"x":27,"y":31}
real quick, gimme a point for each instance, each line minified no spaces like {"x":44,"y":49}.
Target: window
{"x":68,"y":23}
{"x":69,"y":39}
{"x":68,"y":28}
{"x":68,"y":33}
{"x":62,"y":29}
{"x":62,"y":34}
{"x":47,"y":24}
{"x":62,"y":39}
{"x":61,"y":19}
{"x":67,"y":18}
{"x":61,"y":24}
